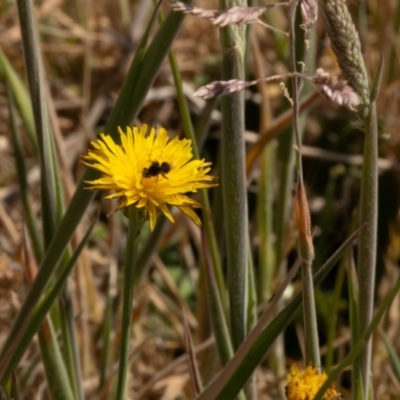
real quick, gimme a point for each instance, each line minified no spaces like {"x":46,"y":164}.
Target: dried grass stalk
{"x":331,"y":87}
{"x":233,"y":15}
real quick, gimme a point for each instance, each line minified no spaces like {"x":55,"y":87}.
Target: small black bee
{"x":156,"y":169}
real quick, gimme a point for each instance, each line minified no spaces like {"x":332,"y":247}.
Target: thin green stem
{"x":264,"y":215}
{"x":134,"y":229}
{"x":70,"y":345}
{"x":309,"y":312}
{"x":204,"y":199}
{"x":310,"y":318}
{"x":234,"y":175}
{"x":368,"y":237}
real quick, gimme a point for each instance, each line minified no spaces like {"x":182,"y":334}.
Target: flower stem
{"x":367,"y":242}
{"x":134,"y":229}
{"x":306,"y":247}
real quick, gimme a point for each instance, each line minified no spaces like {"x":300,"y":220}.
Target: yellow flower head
{"x":304,"y":385}
{"x":149,"y":171}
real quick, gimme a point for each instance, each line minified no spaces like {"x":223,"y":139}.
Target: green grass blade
{"x":236,"y":373}
{"x":135,"y":226}
{"x":21,"y":97}
{"x":218,"y":320}
{"x":37,"y":88}
{"x":265,"y":218}
{"x":57,"y":377}
{"x":394,"y":357}
{"x":43,"y":308}
{"x":14,"y":387}
{"x":359,"y":346}
{"x":34,"y":235}
{"x":70,"y":348}
{"x":354,"y":321}
{"x":51,"y":194}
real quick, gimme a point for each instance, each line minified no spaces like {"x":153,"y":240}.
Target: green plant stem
{"x":204,"y":200}
{"x":106,"y":334}
{"x":309,"y":311}
{"x":251,"y":388}
{"x":354,"y":298}
{"x":218,"y":320}
{"x":134,"y":229}
{"x":368,"y":237}
{"x":148,"y":248}
{"x":234,"y":175}
{"x":310,"y":318}
{"x":264,"y":215}
{"x":57,"y":376}
{"x":332,"y":321}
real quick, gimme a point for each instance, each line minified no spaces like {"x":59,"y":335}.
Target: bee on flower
{"x":149,"y":171}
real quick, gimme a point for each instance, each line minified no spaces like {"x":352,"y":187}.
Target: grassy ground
{"x":87,"y":51}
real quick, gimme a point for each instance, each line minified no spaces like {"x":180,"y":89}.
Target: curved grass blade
{"x":37,"y":88}
{"x":394,"y":357}
{"x":21,"y":96}
{"x":359,"y":346}
{"x":236,"y":373}
{"x":30,"y":220}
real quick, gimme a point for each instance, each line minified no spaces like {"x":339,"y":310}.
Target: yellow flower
{"x":149,"y":171}
{"x":305,"y":385}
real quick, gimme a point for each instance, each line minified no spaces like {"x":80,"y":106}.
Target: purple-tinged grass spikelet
{"x":336,"y":90}
{"x":221,"y":88}
{"x":309,"y":13}
{"x":221,"y":18}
